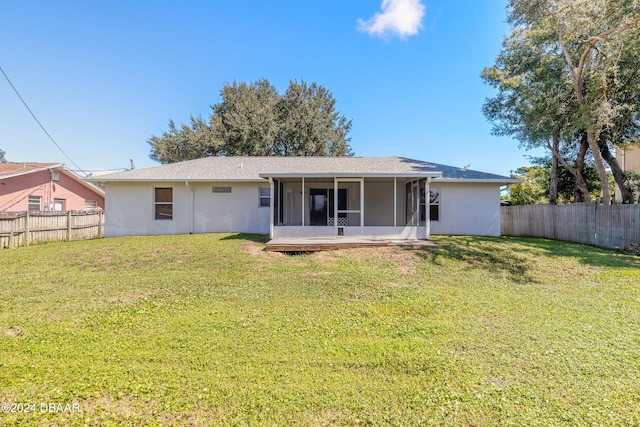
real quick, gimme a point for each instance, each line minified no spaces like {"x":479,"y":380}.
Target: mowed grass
{"x":212,"y":330}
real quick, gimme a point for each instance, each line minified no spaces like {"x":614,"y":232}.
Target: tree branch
{"x":567,"y":58}
{"x":558,"y":156}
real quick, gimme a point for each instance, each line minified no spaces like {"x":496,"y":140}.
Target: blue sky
{"x":103,"y":76}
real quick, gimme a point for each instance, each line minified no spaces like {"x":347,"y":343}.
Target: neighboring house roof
{"x":14,"y":169}
{"x":11,"y":169}
{"x":257,"y":169}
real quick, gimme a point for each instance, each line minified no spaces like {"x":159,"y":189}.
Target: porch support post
{"x":302,"y":201}
{"x":362,"y":203}
{"x":272,"y":218}
{"x":395,"y":201}
{"x":427,"y":208}
{"x":335,"y":206}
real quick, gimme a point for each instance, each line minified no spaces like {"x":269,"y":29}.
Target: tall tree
{"x":246,"y":121}
{"x":534,"y":102}
{"x":591,"y":34}
{"x":311,"y":126}
{"x":532,"y":189}
{"x":255,"y":120}
{"x":591,"y":43}
{"x":185,"y":142}
{"x":2,"y":153}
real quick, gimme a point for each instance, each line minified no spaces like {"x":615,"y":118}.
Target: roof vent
{"x":55,"y":175}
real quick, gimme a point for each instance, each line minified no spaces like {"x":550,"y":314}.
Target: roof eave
{"x":150,"y":180}
{"x":480,"y":180}
{"x":350,"y":175}
{"x":40,"y":169}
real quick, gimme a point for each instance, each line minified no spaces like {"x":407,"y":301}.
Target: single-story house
{"x":291,"y":197}
{"x":29,"y":186}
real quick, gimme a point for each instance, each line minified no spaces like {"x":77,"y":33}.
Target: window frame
{"x":264,"y":201}
{"x":158,"y":215}
{"x":31,"y":202}
{"x":434,"y":203}
{"x":61,"y":202}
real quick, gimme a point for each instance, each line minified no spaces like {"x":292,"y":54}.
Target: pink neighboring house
{"x":45,"y":187}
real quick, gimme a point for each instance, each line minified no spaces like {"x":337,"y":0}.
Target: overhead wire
{"x":38,"y":121}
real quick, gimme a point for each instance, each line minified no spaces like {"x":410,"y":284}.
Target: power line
{"x":38,"y":121}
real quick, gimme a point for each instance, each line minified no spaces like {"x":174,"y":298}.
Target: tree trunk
{"x":581,"y":192}
{"x":553,"y":179}
{"x":626,"y":190}
{"x":602,"y":173}
{"x":578,"y":74}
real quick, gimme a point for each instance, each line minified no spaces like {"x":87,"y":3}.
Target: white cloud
{"x":398,"y":17}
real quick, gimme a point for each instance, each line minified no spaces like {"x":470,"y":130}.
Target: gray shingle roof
{"x":232,"y":169}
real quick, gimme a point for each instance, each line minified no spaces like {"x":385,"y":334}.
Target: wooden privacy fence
{"x":615,"y":226}
{"x":24,"y":228}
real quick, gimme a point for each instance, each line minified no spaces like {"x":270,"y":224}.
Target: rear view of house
{"x":373,"y":197}
{"x":45,"y":187}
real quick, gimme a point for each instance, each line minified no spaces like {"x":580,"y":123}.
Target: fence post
{"x":27,"y":229}
{"x":68,"y":226}
{"x":596,"y":224}
{"x":11,"y":233}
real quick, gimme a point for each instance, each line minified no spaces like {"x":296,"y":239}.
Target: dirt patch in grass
{"x":402,"y":259}
{"x":254,"y":248}
{"x":497,"y":382}
{"x":124,"y":406}
{"x":12,"y":331}
{"x":258,"y":249}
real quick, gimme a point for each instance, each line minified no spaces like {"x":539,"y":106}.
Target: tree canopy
{"x":2,"y":153}
{"x":568,"y":75}
{"x":535,"y":187}
{"x":255,"y":120}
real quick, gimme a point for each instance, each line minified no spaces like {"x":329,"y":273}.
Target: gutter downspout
{"x":272,"y":218}
{"x":191,"y":207}
{"x":427,"y":209}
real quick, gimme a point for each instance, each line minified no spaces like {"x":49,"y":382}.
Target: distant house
{"x":375,"y":197}
{"x":45,"y":187}
{"x":629,"y":160}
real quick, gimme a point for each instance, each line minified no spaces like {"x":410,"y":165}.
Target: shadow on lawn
{"x":257,"y":238}
{"x":515,"y":256}
{"x":483,"y":253}
{"x":585,"y":254}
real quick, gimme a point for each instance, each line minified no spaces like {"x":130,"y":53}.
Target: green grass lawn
{"x":211,"y":330}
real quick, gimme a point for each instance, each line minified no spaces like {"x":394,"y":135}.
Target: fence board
{"x":24,"y":228}
{"x":615,"y":226}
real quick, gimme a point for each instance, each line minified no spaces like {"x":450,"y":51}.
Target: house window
{"x":58,"y":205}
{"x":221,"y":189}
{"x":264,"y":197}
{"x":90,"y":205}
{"x":434,"y":203}
{"x":163,"y":203}
{"x":34,"y":203}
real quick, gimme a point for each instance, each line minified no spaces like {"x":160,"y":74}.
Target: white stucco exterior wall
{"x":129,"y":209}
{"x":465,"y":208}
{"x":468,"y":208}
